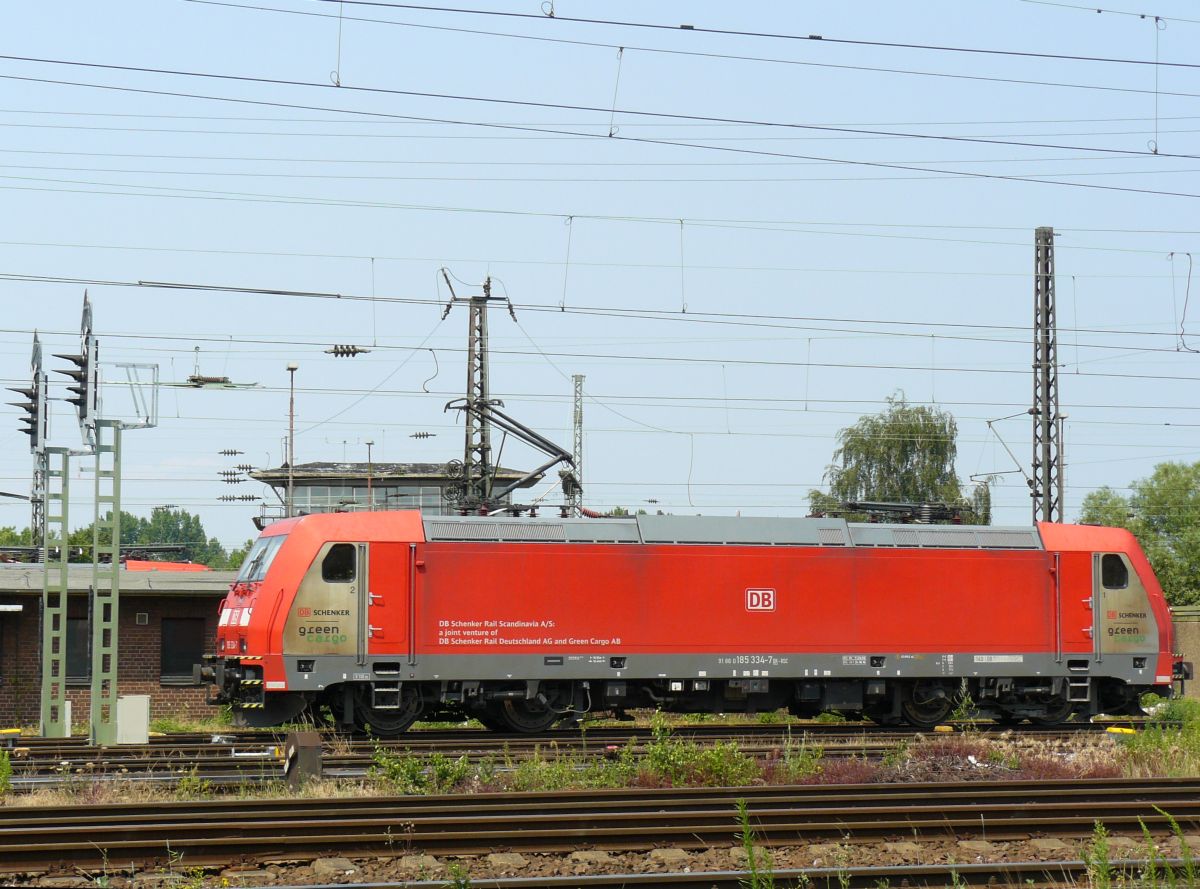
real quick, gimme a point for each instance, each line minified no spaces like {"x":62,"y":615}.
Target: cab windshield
{"x":259,"y":559}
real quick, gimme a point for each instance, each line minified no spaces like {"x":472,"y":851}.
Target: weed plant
{"x":410,"y":774}
{"x":1169,"y":746}
{"x":760,"y":868}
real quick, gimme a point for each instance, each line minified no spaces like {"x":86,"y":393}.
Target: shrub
{"x":410,"y":774}
{"x":830,"y":716}
{"x":795,"y":762}
{"x":192,"y":786}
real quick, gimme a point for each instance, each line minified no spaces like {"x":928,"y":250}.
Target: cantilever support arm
{"x":519,"y":430}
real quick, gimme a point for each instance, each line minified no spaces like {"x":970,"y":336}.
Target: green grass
{"x":220,"y":721}
{"x":1169,"y":746}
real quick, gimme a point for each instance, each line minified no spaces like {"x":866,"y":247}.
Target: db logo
{"x":1112,"y":615}
{"x":760,"y":600}
{"x":305,"y":612}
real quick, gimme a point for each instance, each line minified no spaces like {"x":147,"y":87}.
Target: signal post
{"x":51,"y":501}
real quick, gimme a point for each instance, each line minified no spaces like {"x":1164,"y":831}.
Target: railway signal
{"x":86,"y":374}
{"x":37,"y":423}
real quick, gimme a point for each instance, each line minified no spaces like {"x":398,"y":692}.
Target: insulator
{"x":346,"y":351}
{"x":423,"y":435}
{"x":230,"y":452}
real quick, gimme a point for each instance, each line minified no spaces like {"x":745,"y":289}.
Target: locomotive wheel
{"x":1122,"y":700}
{"x":1057,"y":712}
{"x":927,"y":702}
{"x":387,"y":723}
{"x":524,"y":716}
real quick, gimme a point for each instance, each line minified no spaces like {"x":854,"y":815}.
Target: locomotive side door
{"x":388,"y":603}
{"x":325,"y":615}
{"x":1124,"y":623}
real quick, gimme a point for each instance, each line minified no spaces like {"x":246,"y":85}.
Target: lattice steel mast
{"x":102,"y":440}
{"x":575,"y":495}
{"x":477,"y":451}
{"x":477,"y":490}
{"x":1046,"y":485}
{"x":48,"y":524}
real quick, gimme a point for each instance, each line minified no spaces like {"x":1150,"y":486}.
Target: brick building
{"x":168,"y":619}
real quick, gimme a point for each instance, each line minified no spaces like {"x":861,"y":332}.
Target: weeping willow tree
{"x":904,"y":454}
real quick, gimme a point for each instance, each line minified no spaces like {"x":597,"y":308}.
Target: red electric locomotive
{"x":383,"y":617}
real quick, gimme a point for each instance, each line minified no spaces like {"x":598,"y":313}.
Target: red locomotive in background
{"x":384,"y":617}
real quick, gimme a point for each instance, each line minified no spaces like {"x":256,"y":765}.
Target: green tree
{"x":1163,"y":512}
{"x":903,"y":454}
{"x":10,"y":536}
{"x":163,"y":526}
{"x":233,"y":561}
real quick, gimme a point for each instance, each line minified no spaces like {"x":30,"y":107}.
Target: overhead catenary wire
{"x":773,"y":35}
{"x":1097,"y":10}
{"x":566,"y":106}
{"x":645,"y":180}
{"x":339,"y":281}
{"x":541,"y":38}
{"x":741,"y":319}
{"x":966,"y":174}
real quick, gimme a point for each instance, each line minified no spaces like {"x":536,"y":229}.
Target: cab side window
{"x":1113,"y":573}
{"x":339,"y":563}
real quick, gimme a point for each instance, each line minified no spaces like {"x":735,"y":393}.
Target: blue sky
{"x":820,"y":234}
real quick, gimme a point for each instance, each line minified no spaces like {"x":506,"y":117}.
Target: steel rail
{"x":257,"y":757}
{"x":606,"y":734}
{"x":612,"y":820}
{"x":1027,"y":874}
{"x":468,"y":741}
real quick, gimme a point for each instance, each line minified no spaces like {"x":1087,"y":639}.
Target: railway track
{"x":204,"y":833}
{"x":612,"y":734}
{"x":1028,"y":875}
{"x":258,"y":756}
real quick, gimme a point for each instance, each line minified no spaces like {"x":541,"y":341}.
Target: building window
{"x":182,"y":646}
{"x":79,"y":655}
